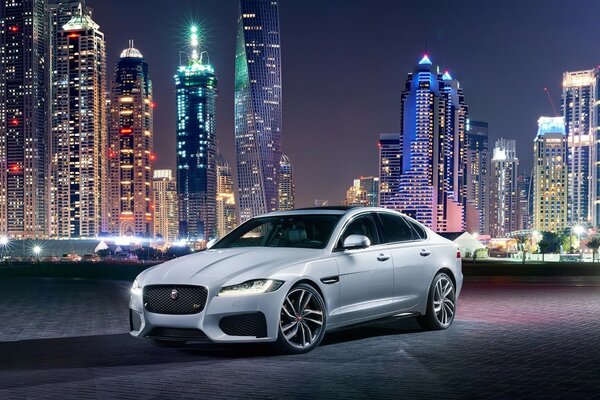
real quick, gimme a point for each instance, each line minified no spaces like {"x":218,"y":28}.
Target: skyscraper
{"x":286,"y":184}
{"x":131,"y":150}
{"x":226,"y":211}
{"x":550,"y":175}
{"x":581,"y":108}
{"x":504,"y":199}
{"x":196,"y":92}
{"x":433,"y":138}
{"x":24,"y":100}
{"x":363,"y":192}
{"x":525,"y":194}
{"x":258,"y":106}
{"x":61,"y":12}
{"x":166,"y":218}
{"x":390,"y":168}
{"x":79,"y":131}
{"x":478,"y":169}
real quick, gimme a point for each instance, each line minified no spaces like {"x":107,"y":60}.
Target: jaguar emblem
{"x":174,"y":294}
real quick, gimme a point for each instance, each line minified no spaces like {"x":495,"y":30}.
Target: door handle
{"x":425,"y":252}
{"x":383,"y":257}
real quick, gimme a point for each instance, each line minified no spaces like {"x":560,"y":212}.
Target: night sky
{"x":345,"y":64}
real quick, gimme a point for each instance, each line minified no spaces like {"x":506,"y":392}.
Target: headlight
{"x":136,"y":288}
{"x":251,"y":287}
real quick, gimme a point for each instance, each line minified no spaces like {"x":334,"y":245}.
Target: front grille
{"x":178,"y":333}
{"x":135,"y":320}
{"x":188,"y":300}
{"x":244,"y":325}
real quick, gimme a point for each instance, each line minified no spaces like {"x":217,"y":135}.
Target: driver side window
{"x":362,"y":225}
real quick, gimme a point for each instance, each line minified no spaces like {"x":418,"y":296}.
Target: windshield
{"x":304,"y":231}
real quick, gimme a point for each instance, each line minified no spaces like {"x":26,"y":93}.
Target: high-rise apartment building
{"x":196,"y":93}
{"x":258,"y":107}
{"x":363,"y":192}
{"x":79,"y":132}
{"x":478,"y":170}
{"x":131,"y":149}
{"x":226,"y":210}
{"x":166,"y":218}
{"x":432,"y":186}
{"x":24,"y":101}
{"x":581,"y":113}
{"x":525,"y":194}
{"x":390,"y":168}
{"x":504,"y":199}
{"x":286,"y":184}
{"x":550,"y":175}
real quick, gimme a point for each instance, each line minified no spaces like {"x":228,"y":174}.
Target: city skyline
{"x":499,"y":58}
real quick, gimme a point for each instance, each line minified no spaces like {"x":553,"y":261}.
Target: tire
{"x":302,"y":320}
{"x":167,"y":343}
{"x":440,"y":313}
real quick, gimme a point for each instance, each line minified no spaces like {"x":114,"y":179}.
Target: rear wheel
{"x":302,"y":320}
{"x":441,"y":304}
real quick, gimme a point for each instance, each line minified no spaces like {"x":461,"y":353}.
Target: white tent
{"x":468,"y":244}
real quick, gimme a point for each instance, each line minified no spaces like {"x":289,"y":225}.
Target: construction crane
{"x":556,"y":114}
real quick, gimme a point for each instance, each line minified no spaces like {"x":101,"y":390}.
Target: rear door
{"x":411,"y":257}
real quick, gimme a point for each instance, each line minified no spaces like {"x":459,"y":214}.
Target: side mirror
{"x":211,"y":243}
{"x":356,"y":242}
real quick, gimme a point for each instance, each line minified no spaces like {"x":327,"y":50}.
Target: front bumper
{"x":231,"y":319}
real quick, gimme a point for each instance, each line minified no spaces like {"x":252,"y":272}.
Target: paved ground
{"x":62,"y":338}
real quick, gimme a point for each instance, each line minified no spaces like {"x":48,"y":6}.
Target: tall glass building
{"x":478,"y":175}
{"x":390,"y":168}
{"x":131,"y":150}
{"x":24,"y":100}
{"x":79,"y":131}
{"x":258,"y":106}
{"x":504,"y":197}
{"x":196,"y":92}
{"x":286,"y":184}
{"x":226,"y":209}
{"x":550,"y":175}
{"x":581,"y":108}
{"x":432,"y":187}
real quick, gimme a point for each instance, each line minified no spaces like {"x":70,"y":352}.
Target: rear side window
{"x":395,"y":228}
{"x":419,"y":231}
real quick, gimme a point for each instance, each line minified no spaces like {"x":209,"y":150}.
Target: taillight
{"x":457,"y":253}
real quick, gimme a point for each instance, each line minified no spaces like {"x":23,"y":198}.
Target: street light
{"x":3,"y":245}
{"x":37,"y":250}
{"x":579,"y":230}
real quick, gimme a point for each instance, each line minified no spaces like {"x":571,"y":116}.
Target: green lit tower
{"x":196,"y":92}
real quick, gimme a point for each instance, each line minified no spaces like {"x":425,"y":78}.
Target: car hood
{"x":219,"y":266}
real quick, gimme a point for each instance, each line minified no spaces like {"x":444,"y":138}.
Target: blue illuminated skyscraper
{"x":432,"y":187}
{"x":196,"y":86}
{"x":258,"y":106}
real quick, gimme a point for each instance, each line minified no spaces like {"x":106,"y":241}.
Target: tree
{"x":594,"y":244}
{"x":550,"y":243}
{"x":521,"y":244}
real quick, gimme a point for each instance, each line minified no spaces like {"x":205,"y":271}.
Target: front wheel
{"x":302,"y":320}
{"x":441,"y":304}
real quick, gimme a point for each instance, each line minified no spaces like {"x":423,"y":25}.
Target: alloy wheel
{"x":301,"y":319}
{"x":444,"y":301}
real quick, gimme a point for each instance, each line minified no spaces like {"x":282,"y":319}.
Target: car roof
{"x":331,"y":210}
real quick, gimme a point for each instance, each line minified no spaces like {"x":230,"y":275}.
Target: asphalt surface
{"x":529,"y":338}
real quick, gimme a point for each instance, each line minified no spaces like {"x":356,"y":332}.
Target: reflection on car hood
{"x":221,"y":265}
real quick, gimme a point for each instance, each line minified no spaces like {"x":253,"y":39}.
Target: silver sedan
{"x":289,"y":277}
